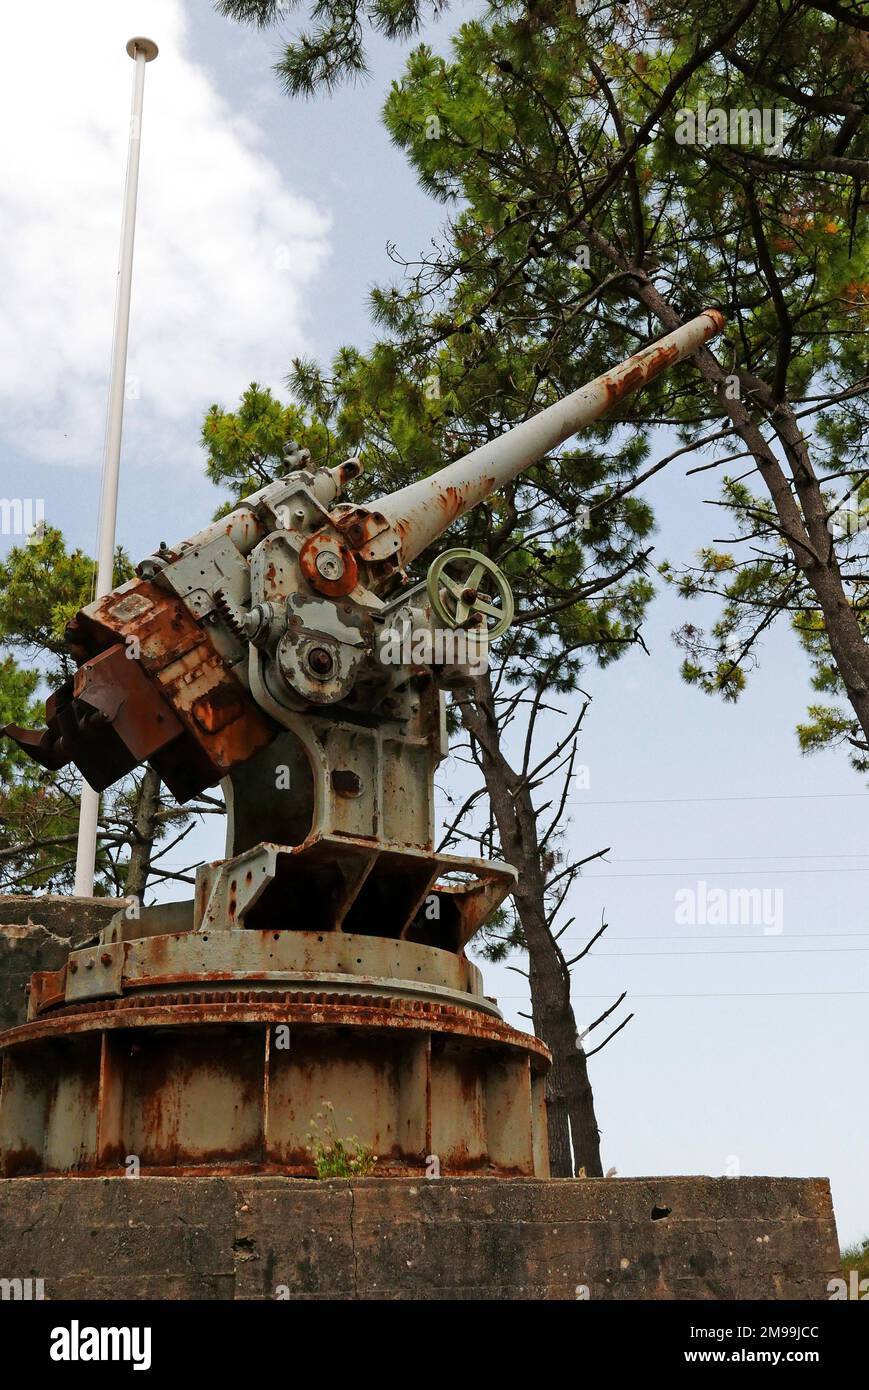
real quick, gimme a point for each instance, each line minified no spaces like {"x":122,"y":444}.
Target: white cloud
{"x":225,"y":253}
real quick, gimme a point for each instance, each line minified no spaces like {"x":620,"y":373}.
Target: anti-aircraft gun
{"x":283,"y":653}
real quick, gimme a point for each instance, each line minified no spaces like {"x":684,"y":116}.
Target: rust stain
{"x":315,"y":546}
{"x":360,"y":525}
{"x":151,"y":682}
{"x":646,"y":366}
{"x":21,"y":1162}
{"x":174,"y":1054}
{"x":261,"y":1006}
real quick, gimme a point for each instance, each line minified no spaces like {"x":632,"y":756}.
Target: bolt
{"x":329,"y":564}
{"x":320,"y":661}
{"x":106,"y":958}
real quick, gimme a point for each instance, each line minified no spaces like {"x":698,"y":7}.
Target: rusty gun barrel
{"x":401,"y":525}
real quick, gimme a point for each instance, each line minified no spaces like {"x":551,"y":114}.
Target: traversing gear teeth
{"x":232,"y":616}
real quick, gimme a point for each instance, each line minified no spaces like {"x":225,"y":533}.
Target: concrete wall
{"x":382,"y":1238}
{"x":36,"y":934}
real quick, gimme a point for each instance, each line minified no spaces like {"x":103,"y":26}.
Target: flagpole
{"x":142,"y":51}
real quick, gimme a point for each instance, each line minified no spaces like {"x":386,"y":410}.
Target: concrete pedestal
{"x":384,"y":1238}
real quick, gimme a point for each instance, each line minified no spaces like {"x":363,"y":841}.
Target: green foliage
{"x":245,"y":447}
{"x":335,"y":1157}
{"x":17,"y":706}
{"x":526,"y":123}
{"x":42,"y":587}
{"x":553,"y":138}
{"x":500,"y":935}
{"x":37,"y":811}
{"x":856,"y":1256}
{"x":332,"y":49}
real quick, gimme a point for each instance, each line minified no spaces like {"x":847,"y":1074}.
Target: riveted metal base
{"x":231,"y":1081}
{"x":204,"y":1053}
{"x":292,"y":960}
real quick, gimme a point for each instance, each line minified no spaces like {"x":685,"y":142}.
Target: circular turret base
{"x":181,"y":1065}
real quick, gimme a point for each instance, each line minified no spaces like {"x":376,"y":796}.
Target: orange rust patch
{"x":332,"y":588}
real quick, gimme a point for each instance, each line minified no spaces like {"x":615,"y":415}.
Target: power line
{"x":722,"y":873}
{"x":685,"y":800}
{"x":766,"y":994}
{"x":719,"y":858}
{"x":786,"y":951}
{"x":722,"y":936}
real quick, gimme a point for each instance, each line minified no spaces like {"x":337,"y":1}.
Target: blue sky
{"x":262,"y":225}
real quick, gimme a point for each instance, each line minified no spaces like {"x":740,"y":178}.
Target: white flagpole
{"x":141,"y":51}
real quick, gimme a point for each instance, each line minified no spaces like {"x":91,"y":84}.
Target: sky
{"x":262,"y":225}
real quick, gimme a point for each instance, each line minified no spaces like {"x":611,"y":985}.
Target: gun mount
{"x":283,"y":652}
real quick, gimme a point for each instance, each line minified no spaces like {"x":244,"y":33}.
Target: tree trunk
{"x":802,"y":519}
{"x":583,"y":1120}
{"x":569,"y":1099}
{"x":570,"y":1102}
{"x":144,"y":829}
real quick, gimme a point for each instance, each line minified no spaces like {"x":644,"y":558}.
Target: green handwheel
{"x":453,"y":585}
